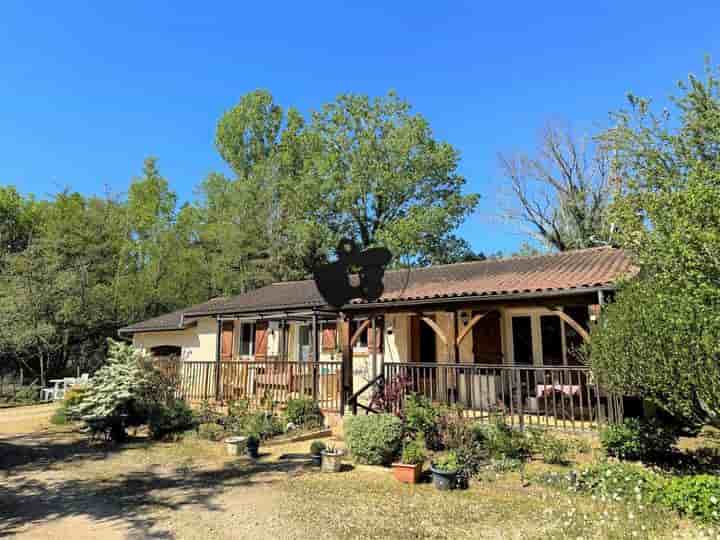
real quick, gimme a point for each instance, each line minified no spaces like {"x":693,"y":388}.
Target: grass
{"x":368,"y":503}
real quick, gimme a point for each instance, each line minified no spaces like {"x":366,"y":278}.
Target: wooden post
{"x":282,"y":353}
{"x":454,"y":378}
{"x":374,"y":342}
{"x":347,"y":362}
{"x":218,"y":346}
{"x":315,"y":356}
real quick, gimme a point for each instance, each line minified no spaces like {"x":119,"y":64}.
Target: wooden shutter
{"x":329,"y":339}
{"x":226,"y":345}
{"x":261,"y":334}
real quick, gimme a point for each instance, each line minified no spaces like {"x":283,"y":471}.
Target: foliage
{"x":413,"y":452}
{"x":261,"y":424}
{"x":207,"y":413}
{"x":303,"y":412}
{"x":316,"y":447}
{"x":695,"y":496}
{"x":637,"y":439}
{"x":447,"y":462}
{"x":166,"y":421}
{"x":65,"y":412}
{"x":421,"y":417}
{"x":501,"y":441}
{"x":661,"y":337}
{"x":27,"y":394}
{"x":612,"y":481}
{"x":59,"y":417}
{"x":390,"y":395}
{"x":210,"y":431}
{"x":374,"y":439}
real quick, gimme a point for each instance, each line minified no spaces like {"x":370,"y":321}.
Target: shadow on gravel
{"x":129,"y":497}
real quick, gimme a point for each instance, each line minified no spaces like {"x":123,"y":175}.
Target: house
{"x":492,"y":335}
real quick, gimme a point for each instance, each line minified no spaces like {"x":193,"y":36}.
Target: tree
{"x":562,"y":193}
{"x":375,"y":173}
{"x":661,"y":339}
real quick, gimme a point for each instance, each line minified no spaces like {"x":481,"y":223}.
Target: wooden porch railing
{"x":561,"y":397}
{"x":260,"y":383}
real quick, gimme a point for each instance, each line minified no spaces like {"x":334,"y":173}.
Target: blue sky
{"x":88,"y":90}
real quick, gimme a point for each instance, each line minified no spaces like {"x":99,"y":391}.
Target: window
{"x":573,"y":340}
{"x":522,"y":340}
{"x":551,"y":335}
{"x":304,"y":338}
{"x":247,"y":339}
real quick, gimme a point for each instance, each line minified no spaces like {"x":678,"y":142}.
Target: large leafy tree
{"x":661,"y":338}
{"x":367,"y":169}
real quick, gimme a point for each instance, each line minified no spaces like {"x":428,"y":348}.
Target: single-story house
{"x":521,"y":313}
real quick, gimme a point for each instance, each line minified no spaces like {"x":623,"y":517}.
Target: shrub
{"x":59,"y":417}
{"x":501,"y":441}
{"x":27,"y":394}
{"x":128,"y":385}
{"x":695,"y":496}
{"x":635,"y":439}
{"x":618,"y":481}
{"x":261,"y":424}
{"x":413,"y":452}
{"x":553,"y":450}
{"x":421,"y":417}
{"x":374,"y":439}
{"x":317,"y":447}
{"x":303,"y":412}
{"x":168,"y":420}
{"x":447,"y":463}
{"x":207,"y":414}
{"x":211,"y":431}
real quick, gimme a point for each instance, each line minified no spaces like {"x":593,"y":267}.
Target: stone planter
{"x":407,"y":474}
{"x":331,"y":461}
{"x":251,"y":446}
{"x":235,"y":446}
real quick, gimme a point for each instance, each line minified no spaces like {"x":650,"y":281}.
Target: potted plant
{"x":316,"y":449}
{"x":409,"y":469}
{"x":331,"y":459}
{"x":445,"y":471}
{"x":251,"y":445}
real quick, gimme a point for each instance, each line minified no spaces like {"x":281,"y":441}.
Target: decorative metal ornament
{"x":333,"y":280}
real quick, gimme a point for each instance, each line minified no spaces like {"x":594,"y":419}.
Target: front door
{"x":487,"y":340}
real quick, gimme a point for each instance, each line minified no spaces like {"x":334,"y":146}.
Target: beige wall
{"x":198,"y":342}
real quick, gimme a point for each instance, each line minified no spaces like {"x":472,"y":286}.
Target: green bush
{"x":211,"y":431}
{"x":413,"y":453}
{"x":553,"y":449}
{"x":421,"y":417}
{"x":261,"y":424}
{"x":374,"y":439}
{"x":501,"y":441}
{"x":619,"y":481}
{"x":168,"y":420}
{"x":303,"y":412}
{"x":636,"y":439}
{"x":695,"y":496}
{"x":27,"y":394}
{"x":316,"y":447}
{"x":447,"y":462}
{"x":59,"y":417}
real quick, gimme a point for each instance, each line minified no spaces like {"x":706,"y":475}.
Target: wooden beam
{"x":359,"y":332}
{"x":572,"y":322}
{"x":432,"y":324}
{"x":466,"y":330}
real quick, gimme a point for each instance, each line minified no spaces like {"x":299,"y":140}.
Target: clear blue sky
{"x":88,"y":90}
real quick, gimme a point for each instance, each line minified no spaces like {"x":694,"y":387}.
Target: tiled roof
{"x":557,"y":272}
{"x":169,"y":321}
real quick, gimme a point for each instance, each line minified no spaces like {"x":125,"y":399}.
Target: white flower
{"x":714,"y":499}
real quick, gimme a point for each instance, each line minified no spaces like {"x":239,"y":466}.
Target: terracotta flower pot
{"x":407,"y":474}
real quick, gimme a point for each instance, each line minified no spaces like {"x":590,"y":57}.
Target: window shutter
{"x":228,"y":329}
{"x":329,"y":338}
{"x":261,"y":334}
